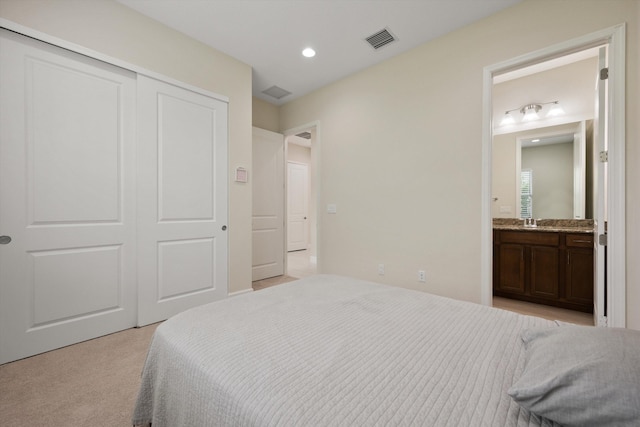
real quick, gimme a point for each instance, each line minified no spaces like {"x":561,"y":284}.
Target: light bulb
{"x":555,"y":110}
{"x":530,"y":113}
{"x":507,"y":119}
{"x":308,"y":52}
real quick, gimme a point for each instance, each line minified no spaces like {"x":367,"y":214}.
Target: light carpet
{"x":93,"y":383}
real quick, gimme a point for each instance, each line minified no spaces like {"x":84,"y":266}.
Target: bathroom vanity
{"x":550,"y":264}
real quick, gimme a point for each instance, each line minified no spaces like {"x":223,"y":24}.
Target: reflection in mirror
{"x":543,"y":173}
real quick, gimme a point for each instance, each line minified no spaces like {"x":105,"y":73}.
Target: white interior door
{"x":268,"y":204}
{"x":67,"y":203}
{"x":600,"y":170}
{"x":182,"y":199}
{"x":297,"y":206}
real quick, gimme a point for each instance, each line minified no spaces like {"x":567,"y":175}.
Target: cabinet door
{"x":512,"y":268}
{"x":545,"y":271}
{"x":579,"y":284}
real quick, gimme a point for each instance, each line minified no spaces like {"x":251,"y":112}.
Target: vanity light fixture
{"x":530,"y":112}
{"x":555,"y":110}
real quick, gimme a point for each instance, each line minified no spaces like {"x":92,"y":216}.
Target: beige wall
{"x":299,"y":154}
{"x":265,"y":115}
{"x":112,"y":29}
{"x":401,"y":149}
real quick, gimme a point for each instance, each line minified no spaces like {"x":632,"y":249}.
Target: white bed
{"x":333,"y":351}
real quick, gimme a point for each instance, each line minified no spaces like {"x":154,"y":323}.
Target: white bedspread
{"x":333,"y":351}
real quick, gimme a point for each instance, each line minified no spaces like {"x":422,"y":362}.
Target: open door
{"x":268,"y":205}
{"x":600,"y":170}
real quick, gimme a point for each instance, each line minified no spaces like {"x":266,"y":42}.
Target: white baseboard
{"x":235,"y":294}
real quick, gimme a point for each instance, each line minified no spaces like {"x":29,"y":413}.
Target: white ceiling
{"x":269,"y":35}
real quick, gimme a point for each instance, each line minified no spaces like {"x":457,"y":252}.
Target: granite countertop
{"x":548,"y":225}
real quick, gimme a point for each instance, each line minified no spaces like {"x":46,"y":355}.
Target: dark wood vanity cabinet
{"x":553,"y":268}
{"x":579,"y":283}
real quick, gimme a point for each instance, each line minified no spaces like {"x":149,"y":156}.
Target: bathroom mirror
{"x":553,"y":164}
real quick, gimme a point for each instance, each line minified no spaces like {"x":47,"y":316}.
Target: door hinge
{"x":604,"y":156}
{"x":602,"y":239}
{"x":604,"y":74}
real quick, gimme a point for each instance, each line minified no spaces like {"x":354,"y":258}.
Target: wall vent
{"x":305,"y":135}
{"x":276,"y":92}
{"x":380,"y":39}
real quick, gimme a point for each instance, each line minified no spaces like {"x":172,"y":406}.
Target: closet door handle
{"x":5,"y":240}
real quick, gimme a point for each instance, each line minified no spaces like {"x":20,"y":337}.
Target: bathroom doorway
{"x":610,"y":302}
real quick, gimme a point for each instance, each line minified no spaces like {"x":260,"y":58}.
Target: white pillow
{"x":581,"y":376}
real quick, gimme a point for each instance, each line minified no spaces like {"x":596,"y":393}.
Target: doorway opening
{"x":610,"y":302}
{"x":301,"y":149}
{"x":300,"y":218}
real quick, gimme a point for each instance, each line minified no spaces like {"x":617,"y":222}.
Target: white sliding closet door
{"x":67,"y":145}
{"x":182,"y":199}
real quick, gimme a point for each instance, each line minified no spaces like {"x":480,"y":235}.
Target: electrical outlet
{"x":381,"y":269}
{"x":422,"y":276}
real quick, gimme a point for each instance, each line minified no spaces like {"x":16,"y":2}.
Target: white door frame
{"x":616,"y":263}
{"x":315,"y":169}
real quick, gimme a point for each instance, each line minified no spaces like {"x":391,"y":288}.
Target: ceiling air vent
{"x":305,"y":135}
{"x":380,"y":39}
{"x":276,"y":92}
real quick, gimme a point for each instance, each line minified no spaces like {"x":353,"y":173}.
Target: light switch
{"x":331,"y":209}
{"x":505,"y":209}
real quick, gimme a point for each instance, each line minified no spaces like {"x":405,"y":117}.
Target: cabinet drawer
{"x":579,"y":240}
{"x":530,"y":237}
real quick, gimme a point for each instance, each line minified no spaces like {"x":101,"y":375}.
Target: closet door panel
{"x":67,"y":146}
{"x":182,"y":200}
{"x":59,"y":154}
{"x":186,"y":160}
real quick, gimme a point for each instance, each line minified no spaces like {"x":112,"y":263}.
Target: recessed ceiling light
{"x":308,"y":52}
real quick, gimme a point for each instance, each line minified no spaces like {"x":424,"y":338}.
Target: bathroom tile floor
{"x":545,"y":311}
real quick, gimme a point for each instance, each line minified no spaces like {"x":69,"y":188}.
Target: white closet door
{"x":182,"y":200}
{"x":67,"y":143}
